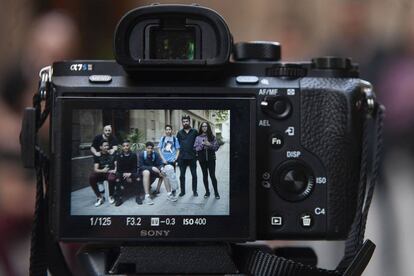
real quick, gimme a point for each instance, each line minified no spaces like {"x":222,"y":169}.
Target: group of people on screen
{"x":139,"y":170}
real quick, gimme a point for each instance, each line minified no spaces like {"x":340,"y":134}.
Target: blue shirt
{"x":168,"y":146}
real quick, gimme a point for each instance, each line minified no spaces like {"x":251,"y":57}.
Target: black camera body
{"x":295,"y":135}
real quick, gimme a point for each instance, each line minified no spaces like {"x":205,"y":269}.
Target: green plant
{"x":136,"y":136}
{"x":222,"y":115}
{"x":136,"y":139}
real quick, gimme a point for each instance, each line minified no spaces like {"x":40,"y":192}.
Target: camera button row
{"x":306,"y":220}
{"x":100,"y":78}
{"x":247,"y":79}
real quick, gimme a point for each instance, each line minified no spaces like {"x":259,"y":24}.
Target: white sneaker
{"x":171,"y":197}
{"x":111,"y":200}
{"x":148,"y":201}
{"x":99,"y":201}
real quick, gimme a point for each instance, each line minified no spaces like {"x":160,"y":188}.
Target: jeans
{"x":183,"y":164}
{"x":209,"y":167}
{"x":94,"y":178}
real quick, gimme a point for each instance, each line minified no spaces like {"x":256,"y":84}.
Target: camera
{"x":258,"y":148}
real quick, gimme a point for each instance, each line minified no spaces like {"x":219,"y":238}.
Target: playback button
{"x":276,"y":220}
{"x":276,"y":141}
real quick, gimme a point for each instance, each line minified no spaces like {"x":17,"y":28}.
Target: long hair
{"x":210,"y":135}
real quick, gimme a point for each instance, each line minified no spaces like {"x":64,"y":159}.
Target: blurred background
{"x":377,"y":34}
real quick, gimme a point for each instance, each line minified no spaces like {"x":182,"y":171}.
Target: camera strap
{"x":370,"y":166}
{"x":45,"y":253}
{"x":357,"y":253}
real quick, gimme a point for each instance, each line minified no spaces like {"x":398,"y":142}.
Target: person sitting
{"x":150,"y":164}
{"x":127,"y":172}
{"x":104,"y":168}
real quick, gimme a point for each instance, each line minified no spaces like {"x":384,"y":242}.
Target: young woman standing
{"x":206,"y":146}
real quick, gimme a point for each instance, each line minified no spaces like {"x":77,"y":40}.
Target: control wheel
{"x":286,"y":70}
{"x":293,"y":181}
{"x":257,"y":50}
{"x":332,"y":63}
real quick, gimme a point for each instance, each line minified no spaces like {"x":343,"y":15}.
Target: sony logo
{"x":154,"y":233}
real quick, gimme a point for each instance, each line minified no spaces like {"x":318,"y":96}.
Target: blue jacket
{"x":146,"y":163}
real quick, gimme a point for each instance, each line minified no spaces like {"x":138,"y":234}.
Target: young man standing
{"x":105,"y":136}
{"x":149,"y":164}
{"x":127,"y":172}
{"x":186,"y":137}
{"x":104,"y":168}
{"x":169,"y":147}
{"x":169,"y":150}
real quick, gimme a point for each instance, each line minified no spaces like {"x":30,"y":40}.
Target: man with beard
{"x":105,"y":136}
{"x":186,"y":137}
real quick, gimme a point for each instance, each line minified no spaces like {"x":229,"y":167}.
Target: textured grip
{"x":331,"y":129}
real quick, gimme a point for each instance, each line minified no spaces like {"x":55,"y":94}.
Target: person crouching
{"x":150,"y":164}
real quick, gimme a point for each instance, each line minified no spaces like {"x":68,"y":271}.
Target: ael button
{"x":279,"y":108}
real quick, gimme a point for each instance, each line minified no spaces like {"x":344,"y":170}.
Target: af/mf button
{"x":278,"y":107}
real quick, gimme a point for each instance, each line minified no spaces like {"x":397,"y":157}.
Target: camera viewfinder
{"x":172,"y":44}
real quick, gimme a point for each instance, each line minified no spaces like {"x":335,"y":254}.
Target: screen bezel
{"x":237,"y":226}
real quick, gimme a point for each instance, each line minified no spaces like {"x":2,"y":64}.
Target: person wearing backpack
{"x":169,"y":150}
{"x":169,"y":147}
{"x":150,"y":168}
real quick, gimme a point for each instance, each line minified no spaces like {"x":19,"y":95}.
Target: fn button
{"x":276,"y":141}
